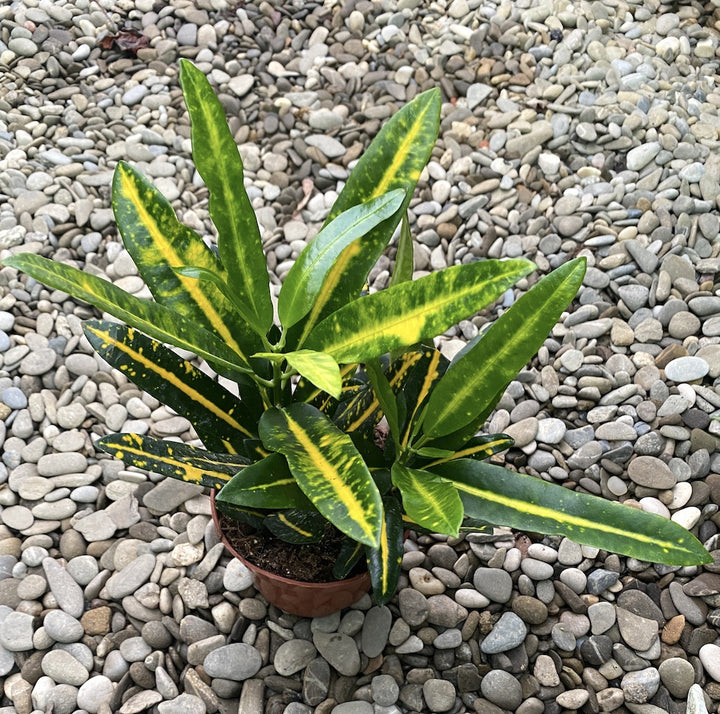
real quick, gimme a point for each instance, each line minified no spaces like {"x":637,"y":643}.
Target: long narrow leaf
{"x":156,"y":320}
{"x":306,"y":279}
{"x":264,"y":484}
{"x":159,"y":243}
{"x":505,"y":498}
{"x":218,"y":161}
{"x":394,"y":159}
{"x":431,"y":501}
{"x":218,"y":417}
{"x":479,"y":447}
{"x":327,"y":467}
{"x":411,"y":312}
{"x":404,"y":260}
{"x":173,"y":459}
{"x":384,"y":561}
{"x":494,"y":359}
{"x":294,"y":526}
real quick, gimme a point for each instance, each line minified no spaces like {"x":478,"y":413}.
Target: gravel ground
{"x":585,"y":128}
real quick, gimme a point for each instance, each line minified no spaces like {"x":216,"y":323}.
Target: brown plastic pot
{"x":295,"y":596}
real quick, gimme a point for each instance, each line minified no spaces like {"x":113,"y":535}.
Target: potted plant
{"x":346,"y":425}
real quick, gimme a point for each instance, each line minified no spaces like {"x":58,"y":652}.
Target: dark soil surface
{"x":309,"y":563}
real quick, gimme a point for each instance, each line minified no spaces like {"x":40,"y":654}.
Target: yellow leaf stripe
{"x":293,"y":526}
{"x":430,"y":376}
{"x":407,"y":326}
{"x":384,"y":556}
{"x":567,"y":520}
{"x":166,"y":249}
{"x":400,"y":156}
{"x":331,"y":476}
{"x":331,"y":281}
{"x":168,"y":376}
{"x":143,"y":460}
{"x":488,"y":449}
{"x":409,"y":360}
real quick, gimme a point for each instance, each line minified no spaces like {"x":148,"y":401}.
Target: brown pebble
{"x":673,"y":629}
{"x":97,"y":621}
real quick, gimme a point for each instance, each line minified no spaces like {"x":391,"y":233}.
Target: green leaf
{"x":431,"y":501}
{"x":298,"y":527}
{"x":152,"y":318}
{"x":317,"y":367}
{"x":491,"y":362}
{"x":306,"y":279}
{"x":265,"y":484}
{"x":479,"y":447}
{"x":410,"y":312}
{"x":254,"y":518}
{"x":394,"y":159}
{"x":327,"y":467}
{"x":218,"y":161}
{"x":174,"y":459}
{"x":505,"y":498}
{"x":158,"y":243}
{"x":385,"y":396}
{"x":219,"y":418}
{"x":404,"y":258}
{"x":385,"y":560}
{"x":350,"y":553}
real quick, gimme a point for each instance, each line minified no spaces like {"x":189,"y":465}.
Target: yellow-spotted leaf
{"x":156,"y":320}
{"x":265,"y":484}
{"x":218,"y":161}
{"x":394,"y":159}
{"x":496,"y":495}
{"x":253,"y":517}
{"x":410,"y":312}
{"x":385,"y":560}
{"x":492,"y":360}
{"x":174,"y":459}
{"x":306,"y":279}
{"x":294,"y":526}
{"x":159,"y":243}
{"x":327,"y":467}
{"x":221,"y":420}
{"x":432,"y":502}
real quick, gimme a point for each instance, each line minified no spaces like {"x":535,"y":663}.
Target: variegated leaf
{"x":306,"y":278}
{"x":493,"y":360}
{"x":496,"y":495}
{"x":218,"y":161}
{"x":327,"y":467}
{"x":431,"y":501}
{"x":218,"y":417}
{"x":174,"y":459}
{"x":408,"y":313}
{"x":385,"y":560}
{"x":394,"y":159}
{"x":479,"y":447}
{"x":156,"y":320}
{"x":350,"y":553}
{"x":265,"y":484}
{"x":159,"y":243}
{"x":296,"y":526}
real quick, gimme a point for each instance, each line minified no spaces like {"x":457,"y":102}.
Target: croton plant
{"x":344,"y":414}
